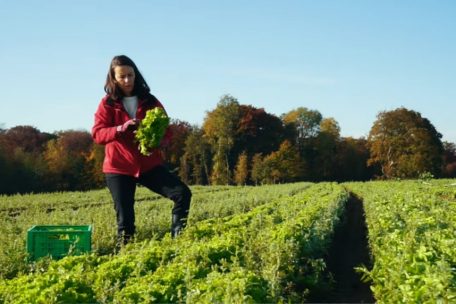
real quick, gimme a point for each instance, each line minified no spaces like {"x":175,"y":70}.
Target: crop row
{"x":268,"y":253}
{"x":153,"y":213}
{"x":412,"y":235}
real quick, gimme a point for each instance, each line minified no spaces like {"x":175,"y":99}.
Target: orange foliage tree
{"x":66,"y":157}
{"x":405,"y":145}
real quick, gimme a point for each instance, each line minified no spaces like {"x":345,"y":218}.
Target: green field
{"x":242,"y":245}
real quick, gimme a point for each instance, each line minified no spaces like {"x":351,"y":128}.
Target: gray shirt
{"x":131,"y":105}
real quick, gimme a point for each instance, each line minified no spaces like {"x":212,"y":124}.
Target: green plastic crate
{"x":58,"y":241}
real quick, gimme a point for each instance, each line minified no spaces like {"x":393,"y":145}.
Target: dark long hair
{"x":140,"y":89}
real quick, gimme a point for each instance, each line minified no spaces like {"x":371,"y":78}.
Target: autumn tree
{"x":257,"y":173}
{"x":27,"y":138}
{"x":66,"y":157}
{"x":220,"y":127}
{"x":287,"y":163}
{"x":8,"y":177}
{"x":326,"y":144}
{"x":304,"y":125}
{"x":405,"y":144}
{"x":195,"y":163}
{"x":449,"y":160}
{"x":174,"y":152}
{"x":241,"y":171}
{"x":94,"y":166}
{"x":351,"y":160}
{"x":281,"y":166}
{"x":23,"y":168}
{"x":257,"y":132}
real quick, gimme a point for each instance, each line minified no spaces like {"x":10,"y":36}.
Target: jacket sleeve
{"x":104,"y":129}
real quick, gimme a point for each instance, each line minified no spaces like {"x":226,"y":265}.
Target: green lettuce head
{"x":151,"y":130}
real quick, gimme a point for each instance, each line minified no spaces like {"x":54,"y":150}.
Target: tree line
{"x":239,"y":144}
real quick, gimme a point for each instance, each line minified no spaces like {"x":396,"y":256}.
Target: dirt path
{"x":349,"y":249}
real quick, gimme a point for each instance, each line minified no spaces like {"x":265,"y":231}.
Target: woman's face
{"x":125,"y":78}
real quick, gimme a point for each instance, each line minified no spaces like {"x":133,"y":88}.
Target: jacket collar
{"x":117,"y":103}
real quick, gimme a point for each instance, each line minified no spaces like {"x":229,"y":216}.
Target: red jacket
{"x":122,"y":155}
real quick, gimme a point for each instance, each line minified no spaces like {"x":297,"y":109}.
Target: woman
{"x":118,"y":115}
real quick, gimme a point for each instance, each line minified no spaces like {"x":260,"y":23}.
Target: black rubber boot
{"x":122,"y":240}
{"x":178,"y":224}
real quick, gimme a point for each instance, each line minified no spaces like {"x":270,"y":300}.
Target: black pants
{"x":159,"y":180}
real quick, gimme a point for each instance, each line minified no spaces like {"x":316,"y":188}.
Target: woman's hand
{"x":129,"y":125}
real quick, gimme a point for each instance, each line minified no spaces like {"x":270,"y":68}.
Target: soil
{"x":348,"y":250}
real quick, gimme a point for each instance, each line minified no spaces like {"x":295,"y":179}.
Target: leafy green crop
{"x":19,"y":212}
{"x":257,"y":255}
{"x":411,"y":227}
{"x":242,"y":245}
{"x":151,"y":130}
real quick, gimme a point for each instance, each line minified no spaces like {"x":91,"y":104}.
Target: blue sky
{"x":348,"y":59}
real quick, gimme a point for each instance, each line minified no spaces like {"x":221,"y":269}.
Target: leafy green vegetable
{"x":151,"y":130}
